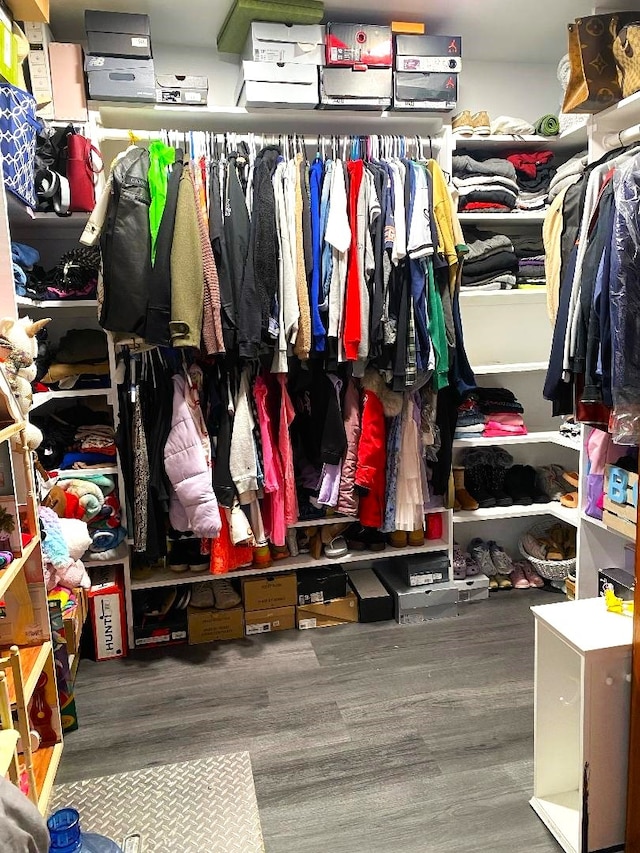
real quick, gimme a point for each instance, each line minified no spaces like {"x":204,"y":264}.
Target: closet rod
{"x":622,"y":138}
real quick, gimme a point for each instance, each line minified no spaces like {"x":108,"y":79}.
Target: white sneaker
{"x":225,"y":595}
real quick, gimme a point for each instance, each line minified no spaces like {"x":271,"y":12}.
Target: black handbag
{"x":52,"y":187}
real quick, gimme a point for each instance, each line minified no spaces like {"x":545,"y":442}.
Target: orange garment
{"x":352,"y":318}
{"x":225,"y":556}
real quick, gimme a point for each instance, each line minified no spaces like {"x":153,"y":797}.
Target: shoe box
{"x":182,"y":89}
{"x":266,"y":84}
{"x":353,"y":88}
{"x":317,"y":586}
{"x":621,"y":500}
{"x":620,"y":580}
{"x":475,"y":588}
{"x":428,"y":53}
{"x":417,"y":90}
{"x":267,"y":621}
{"x":168,"y":629}
{"x":301,"y":44}
{"x":232,"y":36}
{"x":113,"y":78}
{"x":424,"y":569}
{"x":67,"y":82}
{"x":269,"y":591}
{"x":329,"y":614}
{"x":39,"y":37}
{"x":426,"y":72}
{"x":415,"y":604}
{"x":209,"y":626}
{"x":118,"y":34}
{"x":107,"y":613}
{"x":375,"y":603}
{"x":358,"y":44}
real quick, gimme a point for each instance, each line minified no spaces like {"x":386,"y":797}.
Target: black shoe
{"x":476,"y":482}
{"x":516,"y":483}
{"x":495,"y":475}
{"x":539,"y":495}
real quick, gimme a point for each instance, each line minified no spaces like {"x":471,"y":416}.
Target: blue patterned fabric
{"x":18,"y":129}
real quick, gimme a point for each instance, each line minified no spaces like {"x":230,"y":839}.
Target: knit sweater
{"x":187,"y":270}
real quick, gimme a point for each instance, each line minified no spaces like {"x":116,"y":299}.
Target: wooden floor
{"x":363,"y":738}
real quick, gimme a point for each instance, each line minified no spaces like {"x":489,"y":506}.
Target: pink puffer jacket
{"x":193,"y":504}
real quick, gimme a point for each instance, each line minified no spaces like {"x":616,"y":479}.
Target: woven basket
{"x":553,"y":570}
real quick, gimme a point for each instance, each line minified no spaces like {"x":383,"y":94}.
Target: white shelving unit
{"x":581,"y":721}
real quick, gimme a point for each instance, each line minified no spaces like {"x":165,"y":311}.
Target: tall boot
{"x":463,"y":497}
{"x":476,"y":480}
{"x":495,"y":475}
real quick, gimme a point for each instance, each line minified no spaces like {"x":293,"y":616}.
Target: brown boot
{"x":463,"y":497}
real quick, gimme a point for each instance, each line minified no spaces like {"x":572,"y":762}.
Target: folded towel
{"x":547,"y":125}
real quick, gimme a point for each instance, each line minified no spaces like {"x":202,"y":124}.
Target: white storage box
{"x":414,"y":604}
{"x":472,"y":589}
{"x":267,"y":84}
{"x":298,"y":43}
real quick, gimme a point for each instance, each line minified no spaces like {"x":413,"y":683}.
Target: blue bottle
{"x":66,"y":836}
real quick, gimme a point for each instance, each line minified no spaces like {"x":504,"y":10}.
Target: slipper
{"x":531,"y":575}
{"x":493,"y":583}
{"x":416,"y":537}
{"x":518,"y":577}
{"x":336,"y":548}
{"x":459,"y":564}
{"x":572,"y":478}
{"x":570,"y":500}
{"x":504,"y":582}
{"x":473,"y":569}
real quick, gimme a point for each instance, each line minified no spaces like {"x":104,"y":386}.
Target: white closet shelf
{"x":107,"y":471}
{"x":527,"y":217}
{"x":152,"y":117}
{"x":553,"y":508}
{"x":121,"y":556}
{"x":596,"y":522}
{"x":168,"y":578}
{"x":568,"y":141}
{"x":620,"y":116}
{"x":78,"y":306}
{"x":498,"y":369}
{"x":20,"y":213}
{"x":530,"y":294}
{"x":43,"y":397}
{"x":550,"y":437}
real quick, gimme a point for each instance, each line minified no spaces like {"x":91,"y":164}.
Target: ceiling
{"x":496,"y":30}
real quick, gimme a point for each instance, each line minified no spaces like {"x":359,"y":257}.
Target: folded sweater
{"x":464,"y":165}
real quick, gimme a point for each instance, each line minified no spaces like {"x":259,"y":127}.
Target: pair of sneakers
{"x":218,"y":594}
{"x":468,"y":124}
{"x":494,"y":561}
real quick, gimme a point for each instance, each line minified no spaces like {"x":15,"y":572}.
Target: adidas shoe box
{"x":317,"y":586}
{"x":424,"y":569}
{"x":415,"y":604}
{"x":428,"y":53}
{"x":301,"y":44}
{"x":269,"y":84}
{"x":475,"y":588}
{"x":115,"y":78}
{"x":359,"y":44}
{"x":117,"y":34}
{"x":417,"y":90}
{"x":353,"y":89}
{"x":375,"y":603}
{"x":182,"y":89}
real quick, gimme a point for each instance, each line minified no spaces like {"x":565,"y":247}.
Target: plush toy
{"x":18,"y":351}
{"x":76,"y":535}
{"x":60,"y":567}
{"x":90,"y":496}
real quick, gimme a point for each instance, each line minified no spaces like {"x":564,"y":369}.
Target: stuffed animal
{"x":90,"y":496}
{"x":76,"y":535}
{"x":18,"y":351}
{"x":60,"y":567}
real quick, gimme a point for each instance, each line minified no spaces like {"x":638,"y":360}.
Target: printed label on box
{"x":108,"y":628}
{"x":307,"y":623}
{"x":193,"y":97}
{"x":137,"y":41}
{"x":264,"y":628}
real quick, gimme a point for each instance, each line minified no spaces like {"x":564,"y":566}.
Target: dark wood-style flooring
{"x":364,"y":738}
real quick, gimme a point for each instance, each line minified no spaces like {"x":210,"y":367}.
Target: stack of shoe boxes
{"x":39,"y":37}
{"x":427,"y":70}
{"x":358,"y":72}
{"x":280,"y":66}
{"x":325,"y":599}
{"x":420,"y":587}
{"x":119,"y":64}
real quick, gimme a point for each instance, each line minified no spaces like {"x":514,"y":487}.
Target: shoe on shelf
{"x":262,"y":555}
{"x":466,"y":501}
{"x":356,"y":537}
{"x":279,"y":552}
{"x":495,"y":475}
{"x":504,"y":582}
{"x":534,"y":547}
{"x":500,"y":559}
{"x":292,"y":541}
{"x":481,"y":123}
{"x":336,"y":548}
{"x":398,"y":538}
{"x":459,"y":564}
{"x":479,"y":551}
{"x":570,"y":500}
{"x":531,"y":575}
{"x":225,"y":595}
{"x":516,"y":483}
{"x":493,"y":583}
{"x":202,"y":596}
{"x":178,"y":559}
{"x":519,"y":578}
{"x":547,"y":481}
{"x":476,"y":481}
{"x":462,"y":124}
{"x":473,"y":569}
{"x":415,"y":537}
{"x":571,"y":477}
{"x":539,"y":495}
{"x":196,"y":561}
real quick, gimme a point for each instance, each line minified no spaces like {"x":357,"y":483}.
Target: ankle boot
{"x":495,"y":475}
{"x":476,"y":481}
{"x":463,"y":497}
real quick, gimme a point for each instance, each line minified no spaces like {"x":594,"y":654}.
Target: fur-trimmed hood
{"x":391,"y":400}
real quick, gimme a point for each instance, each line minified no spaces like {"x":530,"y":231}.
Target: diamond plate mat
{"x":205,"y":805}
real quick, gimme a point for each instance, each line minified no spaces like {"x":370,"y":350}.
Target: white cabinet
{"x":581,"y":725}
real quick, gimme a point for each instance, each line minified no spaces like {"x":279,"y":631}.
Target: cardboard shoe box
{"x":300,"y":44}
{"x":375,"y":603}
{"x":415,"y":604}
{"x":67,"y":82}
{"x":118,"y":34}
{"x":316,"y":586}
{"x":351,"y":89}
{"x":107,"y":613}
{"x":423,"y":569}
{"x":359,"y":44}
{"x":210,"y":626}
{"x":328,"y":615}
{"x":265,"y":84}
{"x":267,"y":621}
{"x":182,"y":89}
{"x":113,"y":78}
{"x":423,"y":91}
{"x":39,"y":37}
{"x":475,"y":588}
{"x":428,"y":53}
{"x":268,"y":592}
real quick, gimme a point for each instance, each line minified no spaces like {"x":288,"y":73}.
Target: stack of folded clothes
{"x":76,"y":437}
{"x":533,"y":175}
{"x":502,"y":411}
{"x":567,"y":174}
{"x":484,"y":186}
{"x":530,"y":254}
{"x":81,"y":361}
{"x":491,"y":263}
{"x":471,"y":421}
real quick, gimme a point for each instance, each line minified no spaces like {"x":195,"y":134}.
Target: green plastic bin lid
{"x":233,"y":34}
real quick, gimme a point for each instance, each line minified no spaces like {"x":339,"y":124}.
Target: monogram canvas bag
{"x":626,"y":52}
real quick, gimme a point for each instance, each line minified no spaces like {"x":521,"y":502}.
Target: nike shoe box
{"x":428,"y":53}
{"x":182,"y":89}
{"x":301,"y":44}
{"x":359,"y":44}
{"x":317,"y":586}
{"x":413,"y":90}
{"x":268,"y":84}
{"x":415,"y":604}
{"x":115,"y":78}
{"x":347,"y":88}
{"x":117,"y":34}
{"x":424,"y":569}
